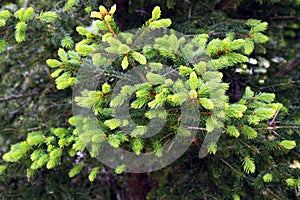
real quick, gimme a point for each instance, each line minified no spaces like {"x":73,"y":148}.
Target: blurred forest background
{"x":29,"y":100}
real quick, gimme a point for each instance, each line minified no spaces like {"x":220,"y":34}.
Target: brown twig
{"x":288,"y":68}
{"x":110,"y":29}
{"x":285,"y":17}
{"x":140,"y":37}
{"x":231,"y":167}
{"x":275,"y":195}
{"x":266,"y":128}
{"x":272,"y":122}
{"x":197,"y":128}
{"x":279,"y":84}
{"x":250,"y":147}
{"x":20,"y":96}
{"x":21,"y":131}
{"x":276,"y":127}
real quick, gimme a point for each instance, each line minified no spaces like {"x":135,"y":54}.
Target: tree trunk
{"x":122,"y":12}
{"x":138,"y":186}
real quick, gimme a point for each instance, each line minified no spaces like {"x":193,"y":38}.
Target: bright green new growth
{"x":25,"y":17}
{"x":197,"y":60}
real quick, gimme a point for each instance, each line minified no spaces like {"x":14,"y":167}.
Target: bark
{"x":138,"y":186}
{"x":122,"y":11}
{"x":223,"y":5}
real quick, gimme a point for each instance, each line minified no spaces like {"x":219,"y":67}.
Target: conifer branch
{"x":278,"y":127}
{"x":279,"y":84}
{"x":272,"y":122}
{"x":213,"y":33}
{"x":20,"y":96}
{"x":233,"y":169}
{"x":196,"y":128}
{"x":285,"y":17}
{"x":275,"y":195}
{"x":266,"y":128}
{"x":168,"y":135}
{"x":288,"y":68}
{"x":22,"y":131}
{"x":140,"y":37}
{"x":110,"y":29}
{"x":250,"y":147}
{"x":200,"y":59}
{"x":275,"y":133}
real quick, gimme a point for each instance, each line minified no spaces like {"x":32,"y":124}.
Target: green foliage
{"x":248,"y":46}
{"x":24,"y":15}
{"x":224,"y":53}
{"x":75,"y":170}
{"x":232,"y":131}
{"x":120,"y":169}
{"x":2,"y":169}
{"x":4,"y":14}
{"x":48,"y":17}
{"x":35,"y":138}
{"x":53,"y":63}
{"x":288,"y":144}
{"x":20,"y":33}
{"x":268,"y":178}
{"x":139,"y":58}
{"x":70,"y":4}
{"x":248,"y":165}
{"x":16,"y":152}
{"x":3,"y":46}
{"x":93,"y":173}
{"x":137,"y":145}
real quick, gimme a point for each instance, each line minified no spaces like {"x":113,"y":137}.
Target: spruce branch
{"x":213,"y":33}
{"x":266,"y":128}
{"x":110,"y":29}
{"x":166,"y":136}
{"x":19,"y":96}
{"x":285,"y":17}
{"x":249,"y":146}
{"x":277,"y":127}
{"x":21,"y":131}
{"x":140,"y":37}
{"x":233,"y":169}
{"x":288,"y":68}
{"x":272,"y":122}
{"x":275,"y":133}
{"x":196,"y":128}
{"x":280,"y":84}
{"x":272,"y":193}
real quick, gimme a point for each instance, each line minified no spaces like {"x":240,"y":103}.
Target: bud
{"x":112,"y":9}
{"x":107,"y":18}
{"x":95,"y":14}
{"x":267,"y":177}
{"x":288,"y":144}
{"x":193,"y":94}
{"x":102,"y":10}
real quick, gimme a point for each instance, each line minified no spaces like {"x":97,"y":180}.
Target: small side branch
{"x":288,"y":68}
{"x":266,"y":128}
{"x":197,"y":128}
{"x":21,"y":131}
{"x":285,"y":17}
{"x":20,"y":96}
{"x":232,"y":168}
{"x":278,"y":127}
